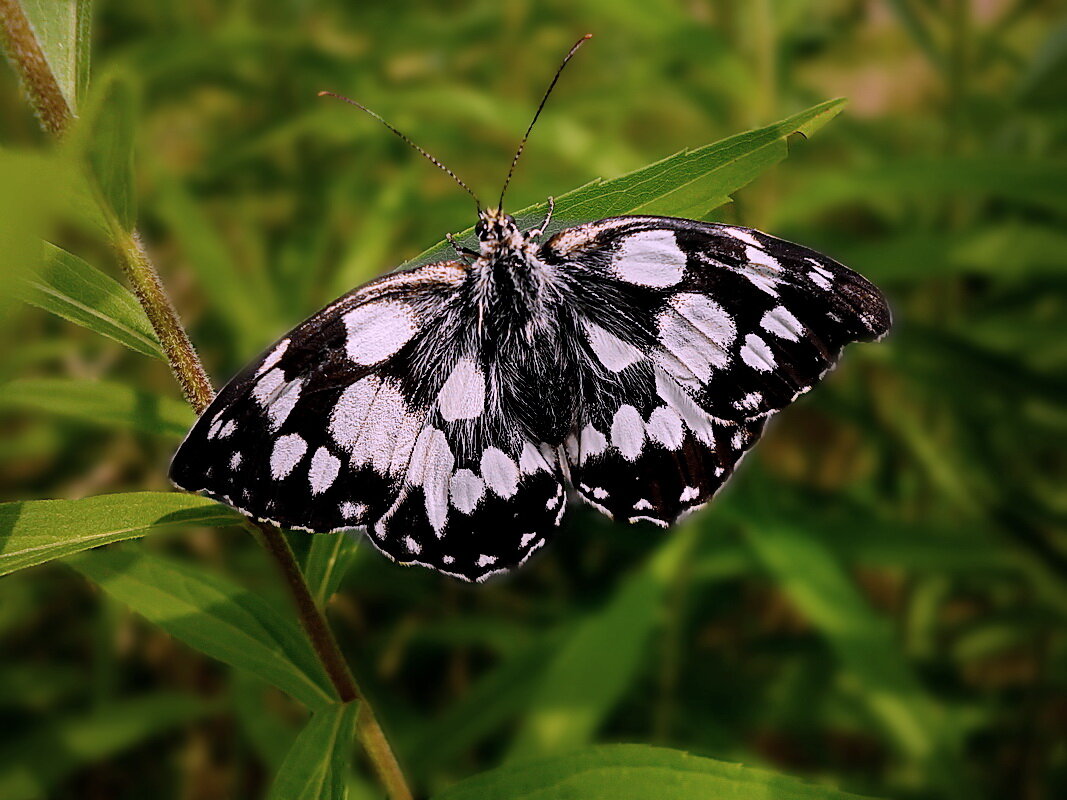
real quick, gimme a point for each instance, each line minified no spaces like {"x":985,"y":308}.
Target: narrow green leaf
{"x":600,"y":661}
{"x":328,"y":559}
{"x":690,"y":182}
{"x":243,"y":300}
{"x":37,"y":531}
{"x":317,"y":765}
{"x":222,"y":620}
{"x":634,"y":772}
{"x":110,"y":405}
{"x":110,"y":147}
{"x":62,"y":31}
{"x":864,"y":643}
{"x":35,"y":762}
{"x":70,"y":288}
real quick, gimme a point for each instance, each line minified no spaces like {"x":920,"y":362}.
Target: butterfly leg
{"x":460,"y":249}
{"x":537,"y":232}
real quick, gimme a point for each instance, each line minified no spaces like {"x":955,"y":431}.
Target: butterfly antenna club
{"x":525,"y":136}
{"x":423,"y":152}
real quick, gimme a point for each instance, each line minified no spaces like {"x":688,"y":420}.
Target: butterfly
{"x":450,"y":409}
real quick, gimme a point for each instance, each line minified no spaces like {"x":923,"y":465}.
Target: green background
{"x":876,"y":602}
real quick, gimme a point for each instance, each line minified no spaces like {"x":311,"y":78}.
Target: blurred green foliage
{"x":877,"y":601}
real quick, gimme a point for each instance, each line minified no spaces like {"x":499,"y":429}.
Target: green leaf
{"x":70,"y":288}
{"x":35,"y":762}
{"x":110,"y":147}
{"x":317,"y":765}
{"x":600,"y":661}
{"x":878,"y":675}
{"x":37,"y":531}
{"x":634,"y":772}
{"x":692,"y":182}
{"x":222,"y":620}
{"x":110,"y":405}
{"x":328,"y":559}
{"x":62,"y":31}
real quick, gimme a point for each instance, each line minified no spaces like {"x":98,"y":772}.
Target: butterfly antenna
{"x":425,"y":154}
{"x":525,"y":136}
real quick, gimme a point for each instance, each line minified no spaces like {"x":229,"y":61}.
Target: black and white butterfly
{"x":448,"y":409}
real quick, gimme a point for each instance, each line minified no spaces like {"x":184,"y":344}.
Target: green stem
{"x":47,"y":98}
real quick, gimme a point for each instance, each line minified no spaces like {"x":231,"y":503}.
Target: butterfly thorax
{"x":512,"y":286}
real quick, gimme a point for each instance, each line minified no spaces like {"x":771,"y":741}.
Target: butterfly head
{"x":497,"y":232}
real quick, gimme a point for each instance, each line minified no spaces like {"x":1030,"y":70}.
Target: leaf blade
{"x":70,"y":288}
{"x":216,"y":617}
{"x":34,"y":532}
{"x":317,"y":764}
{"x":711,"y":173}
{"x":637,"y":772}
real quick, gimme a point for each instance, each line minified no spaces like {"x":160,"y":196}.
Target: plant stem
{"x":369,"y":732}
{"x":29,"y":61}
{"x":55,"y":113}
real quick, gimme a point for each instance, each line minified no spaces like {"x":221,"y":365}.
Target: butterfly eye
{"x":479,"y":229}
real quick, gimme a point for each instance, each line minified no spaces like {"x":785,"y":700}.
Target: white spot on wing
{"x":431,"y":468}
{"x":284,"y":401}
{"x":485,"y":561}
{"x":696,"y":333}
{"x":376,"y":330}
{"x":463,"y":394}
{"x":665,"y":427}
{"x":499,"y":472}
{"x":694,"y":417}
{"x":531,"y":460}
{"x":628,"y":432}
{"x":235,"y":460}
{"x":819,"y":280}
{"x":742,"y":235}
{"x":689,"y":493}
{"x":762,"y":270}
{"x":466,"y":490}
{"x":373,"y":423}
{"x":782,"y":324}
{"x":610,"y":350}
{"x":650,"y":258}
{"x":592,"y":443}
{"x":273,"y":357}
{"x":757,"y":354}
{"x":412,"y":546}
{"x":642,"y":505}
{"x":268,"y":386}
{"x":323,"y":470}
{"x":287,"y":452}
{"x":352,"y":510}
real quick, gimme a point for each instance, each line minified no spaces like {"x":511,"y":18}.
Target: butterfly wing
{"x":368,"y":415}
{"x":696,"y":333}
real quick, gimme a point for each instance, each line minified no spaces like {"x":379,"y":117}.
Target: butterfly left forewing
{"x":315,"y":434}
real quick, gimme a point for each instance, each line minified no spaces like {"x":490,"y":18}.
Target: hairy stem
{"x":29,"y":61}
{"x":25,"y":53}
